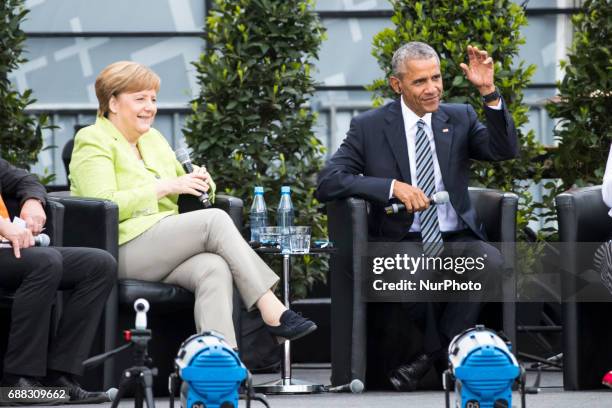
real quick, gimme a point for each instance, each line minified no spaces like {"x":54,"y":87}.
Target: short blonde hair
{"x":120,"y":77}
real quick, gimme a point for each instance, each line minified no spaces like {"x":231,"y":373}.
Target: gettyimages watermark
{"x":483,"y":272}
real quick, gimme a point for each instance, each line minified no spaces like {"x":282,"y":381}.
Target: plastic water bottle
{"x":284,"y":217}
{"x":258,"y":215}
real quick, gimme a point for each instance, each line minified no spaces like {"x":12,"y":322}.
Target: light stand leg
{"x":147,"y":381}
{"x":137,"y":391}
{"x":124,"y":384}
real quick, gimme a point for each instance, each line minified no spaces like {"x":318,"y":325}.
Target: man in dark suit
{"x":86,"y":275}
{"x":406,"y":151}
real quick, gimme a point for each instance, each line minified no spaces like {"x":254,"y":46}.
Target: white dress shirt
{"x":447,"y":216}
{"x":606,"y":189}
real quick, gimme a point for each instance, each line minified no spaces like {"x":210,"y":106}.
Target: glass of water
{"x":270,"y":236}
{"x":299,"y":240}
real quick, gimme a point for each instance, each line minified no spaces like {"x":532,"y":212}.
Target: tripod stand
{"x":140,"y":375}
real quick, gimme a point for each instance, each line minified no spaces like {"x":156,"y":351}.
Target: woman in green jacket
{"x":123,"y":159}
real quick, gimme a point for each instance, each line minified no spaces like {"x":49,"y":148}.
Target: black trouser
{"x":86,"y":275}
{"x":440,"y":322}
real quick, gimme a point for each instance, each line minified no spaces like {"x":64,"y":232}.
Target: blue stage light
{"x":484,"y":370}
{"x":211,"y":372}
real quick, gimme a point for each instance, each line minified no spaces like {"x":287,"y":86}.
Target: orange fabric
{"x":3,"y":210}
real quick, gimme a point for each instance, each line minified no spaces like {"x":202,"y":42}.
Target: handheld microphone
{"x":441,"y":197}
{"x":41,"y":240}
{"x":355,"y":387}
{"x":183,"y":157}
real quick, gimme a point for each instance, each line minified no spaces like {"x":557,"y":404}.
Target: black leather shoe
{"x":406,"y":377}
{"x":77,"y":394}
{"x":292,"y":326}
{"x":29,"y":383}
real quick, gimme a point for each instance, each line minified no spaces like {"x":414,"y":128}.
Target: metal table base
{"x":290,"y":386}
{"x":287,"y":384}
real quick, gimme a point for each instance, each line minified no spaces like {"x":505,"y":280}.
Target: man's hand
{"x":18,"y":236}
{"x":480,"y":72}
{"x":33,"y":213}
{"x":413,"y":197}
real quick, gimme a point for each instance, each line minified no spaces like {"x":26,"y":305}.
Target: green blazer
{"x":104,"y":166}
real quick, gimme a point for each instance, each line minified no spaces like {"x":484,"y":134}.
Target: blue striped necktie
{"x":430,"y":228}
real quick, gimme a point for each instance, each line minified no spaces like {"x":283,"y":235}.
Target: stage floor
{"x":550,"y":396}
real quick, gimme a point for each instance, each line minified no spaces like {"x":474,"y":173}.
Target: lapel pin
{"x":445,"y":130}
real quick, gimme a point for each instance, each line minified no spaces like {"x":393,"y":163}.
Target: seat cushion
{"x":170,"y":297}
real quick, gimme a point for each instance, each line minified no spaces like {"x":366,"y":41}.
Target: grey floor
{"x":550,"y":396}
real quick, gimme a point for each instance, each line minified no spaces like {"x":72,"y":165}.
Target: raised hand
{"x":480,"y":71}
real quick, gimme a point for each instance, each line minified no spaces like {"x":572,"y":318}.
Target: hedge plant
{"x":449,"y":26}
{"x":20,"y":133}
{"x":584,"y":104}
{"x":249,"y":123}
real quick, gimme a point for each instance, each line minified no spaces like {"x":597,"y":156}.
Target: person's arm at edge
{"x":606,"y":188}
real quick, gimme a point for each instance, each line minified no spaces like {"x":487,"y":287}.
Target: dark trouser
{"x":440,"y":322}
{"x":86,"y":276}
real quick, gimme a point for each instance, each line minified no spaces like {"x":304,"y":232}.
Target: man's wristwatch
{"x":492,"y":96}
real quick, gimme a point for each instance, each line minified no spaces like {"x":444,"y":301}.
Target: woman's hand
{"x":202,"y":171}
{"x":18,"y":236}
{"x":193,"y":183}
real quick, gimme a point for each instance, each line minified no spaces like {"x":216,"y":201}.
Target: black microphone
{"x":355,"y":386}
{"x":183,"y":157}
{"x":441,"y":197}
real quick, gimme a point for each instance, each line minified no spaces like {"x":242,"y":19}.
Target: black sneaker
{"x":29,"y":383}
{"x":292,"y":326}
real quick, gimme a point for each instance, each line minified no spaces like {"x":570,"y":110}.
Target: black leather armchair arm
{"x":497,"y":212}
{"x":89,"y":222}
{"x":583,"y":216}
{"x":54,"y":227}
{"x":348,"y":229}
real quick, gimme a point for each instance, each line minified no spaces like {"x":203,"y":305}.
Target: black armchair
{"x":587,"y":332}
{"x":348,"y":229}
{"x":94,"y":223}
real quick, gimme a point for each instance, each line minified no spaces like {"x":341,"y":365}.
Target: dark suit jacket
{"x":375,"y":152}
{"x":17,"y":185}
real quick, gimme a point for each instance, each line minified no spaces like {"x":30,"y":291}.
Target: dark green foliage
{"x":584,"y":105}
{"x":249,"y":124}
{"x":20,"y":134}
{"x":449,"y":26}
